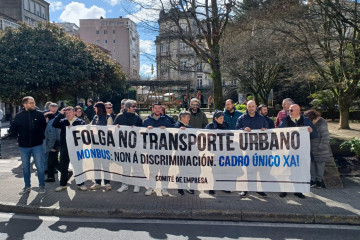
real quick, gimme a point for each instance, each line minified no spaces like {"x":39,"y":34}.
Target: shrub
{"x":354,"y":145}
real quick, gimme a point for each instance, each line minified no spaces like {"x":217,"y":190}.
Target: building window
{"x":43,"y":15}
{"x":199,"y":67}
{"x":184,"y":66}
{"x":113,"y":31}
{"x":199,"y":81}
{"x":105,"y":41}
{"x":163,"y":47}
{"x":37,"y":9}
{"x":184,"y":27}
{"x":32,"y":6}
{"x":114,"y":41}
{"x":105,"y":31}
{"x":97,"y":32}
{"x":97,"y":41}
{"x":120,"y":23}
{"x":111,"y":23}
{"x":103,"y":23}
{"x":26,"y":5}
{"x":184,"y":47}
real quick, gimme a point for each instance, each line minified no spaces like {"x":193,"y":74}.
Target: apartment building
{"x":119,"y":36}
{"x":28,"y":11}
{"x":70,"y":28}
{"x":176,"y":60}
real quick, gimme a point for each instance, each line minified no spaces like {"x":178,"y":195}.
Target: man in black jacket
{"x":63,"y":122}
{"x":29,"y":126}
{"x":128,"y":118}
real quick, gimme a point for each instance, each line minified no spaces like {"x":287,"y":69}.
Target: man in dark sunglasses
{"x":296,"y":119}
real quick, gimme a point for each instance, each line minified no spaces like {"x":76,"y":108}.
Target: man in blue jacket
{"x":296,"y":119}
{"x":231,"y":114}
{"x":29,"y":126}
{"x":157,"y":120}
{"x":248,"y":121}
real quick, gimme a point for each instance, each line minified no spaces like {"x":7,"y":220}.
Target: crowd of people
{"x":43,"y":134}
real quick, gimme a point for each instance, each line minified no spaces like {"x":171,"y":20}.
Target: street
{"x":16,"y":226}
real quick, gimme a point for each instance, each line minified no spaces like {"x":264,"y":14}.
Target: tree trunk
{"x":344,"y":106}
{"x":217,"y":85}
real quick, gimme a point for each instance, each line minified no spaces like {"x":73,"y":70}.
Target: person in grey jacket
{"x":320,"y":148}
{"x":51,"y":147}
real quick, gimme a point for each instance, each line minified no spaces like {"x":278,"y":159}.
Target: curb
{"x":206,"y":214}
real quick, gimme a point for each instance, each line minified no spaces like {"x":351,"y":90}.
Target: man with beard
{"x":29,"y":126}
{"x":263,"y":110}
{"x":231,"y":114}
{"x":198,"y":118}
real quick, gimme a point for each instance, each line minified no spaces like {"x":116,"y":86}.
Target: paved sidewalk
{"x":332,"y":206}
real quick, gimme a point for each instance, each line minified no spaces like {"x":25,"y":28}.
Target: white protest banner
{"x":276,"y":160}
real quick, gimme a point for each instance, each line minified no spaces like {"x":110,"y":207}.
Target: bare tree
{"x":328,"y":34}
{"x":201,"y":25}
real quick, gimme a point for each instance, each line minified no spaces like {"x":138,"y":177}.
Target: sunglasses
{"x":194,"y":105}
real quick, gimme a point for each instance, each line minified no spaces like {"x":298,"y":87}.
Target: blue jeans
{"x":37,"y":153}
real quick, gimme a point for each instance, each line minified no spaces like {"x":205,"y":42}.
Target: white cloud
{"x":147,"y":46}
{"x":75,"y":11}
{"x":55,"y":6}
{"x":146,"y":10}
{"x":145,"y":71}
{"x":113,"y":2}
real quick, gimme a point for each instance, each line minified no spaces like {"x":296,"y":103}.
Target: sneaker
{"x":243,"y":194}
{"x":95,"y":186}
{"x":312,"y":184}
{"x":181,"y":191}
{"x":190,"y":191}
{"x":58,"y":189}
{"x":42,"y":190}
{"x":123,"y":188}
{"x":283,"y":194}
{"x":82,"y":188}
{"x":149,"y":192}
{"x":136,"y":189}
{"x":165,"y":192}
{"x":107,"y":187}
{"x":262,"y":194}
{"x":25,"y":190}
{"x":318,"y":184}
{"x":299,"y":195}
{"x":50,"y":180}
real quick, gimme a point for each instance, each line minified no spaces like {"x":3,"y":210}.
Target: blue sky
{"x":72,"y":11}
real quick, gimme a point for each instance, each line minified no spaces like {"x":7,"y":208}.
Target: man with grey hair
{"x":128,"y":118}
{"x":183,"y":123}
{"x":287,"y":102}
{"x":53,"y":108}
{"x":198,"y":118}
{"x":123,"y":105}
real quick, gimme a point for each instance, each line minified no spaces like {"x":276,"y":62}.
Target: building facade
{"x":175,"y":60}
{"x":70,"y":28}
{"x":28,"y":11}
{"x":119,"y":36}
